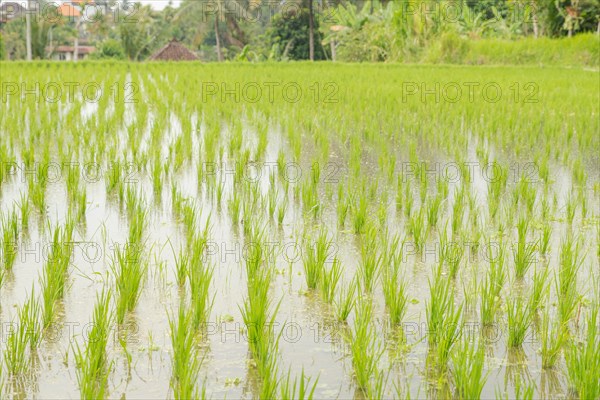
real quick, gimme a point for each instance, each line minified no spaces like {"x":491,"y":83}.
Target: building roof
{"x":71,"y":49}
{"x":173,"y":51}
{"x":67,"y":10}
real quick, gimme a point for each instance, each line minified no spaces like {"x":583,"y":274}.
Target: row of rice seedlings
{"x":583,"y":359}
{"x":54,"y":275}
{"x":366,"y":352}
{"x":93,"y":366}
{"x":10,"y":237}
{"x":467,"y":368}
{"x":185,"y":359}
{"x":259,"y":314}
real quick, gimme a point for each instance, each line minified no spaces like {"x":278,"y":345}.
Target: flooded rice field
{"x":299,"y":231}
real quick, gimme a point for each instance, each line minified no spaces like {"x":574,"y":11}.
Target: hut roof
{"x":173,"y":51}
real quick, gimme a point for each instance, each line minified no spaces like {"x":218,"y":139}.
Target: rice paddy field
{"x":299,"y":231}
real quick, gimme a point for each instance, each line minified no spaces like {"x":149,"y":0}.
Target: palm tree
{"x":227,"y":11}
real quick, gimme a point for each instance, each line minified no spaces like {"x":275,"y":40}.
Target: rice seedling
{"x":395,"y":294}
{"x":359,"y":212}
{"x":433,"y":210}
{"x":364,"y":348}
{"x":310,"y":198}
{"x":54,"y":275}
{"x":10,"y":237}
{"x":467,"y":369}
{"x":182,"y":269}
{"x":314,"y":258}
{"x":93,"y":366}
{"x":583,"y":360}
{"x":330,"y":280}
{"x":298,"y":389}
{"x":524,"y":255}
{"x":553,"y":336}
{"x":185,"y":362}
{"x":129,"y":268}
{"x":281,"y":210}
{"x":566,"y":280}
{"x":369,"y":267}
{"x":200,"y":277}
{"x":539,"y":289}
{"x":234,"y":206}
{"x":520,"y":316}
{"x":29,"y":317}
{"x":453,"y":256}
{"x":570,"y":209}
{"x":345,"y":301}
{"x":15,"y":353}
{"x":544,"y":240}
{"x":442,"y":314}
{"x":418,"y":228}
{"x":25,"y":211}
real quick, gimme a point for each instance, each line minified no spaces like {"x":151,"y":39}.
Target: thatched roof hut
{"x":173,"y":51}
